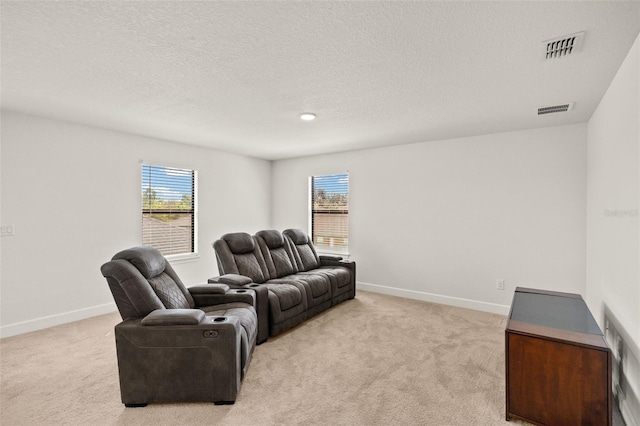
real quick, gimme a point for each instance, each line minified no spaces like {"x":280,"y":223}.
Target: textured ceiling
{"x":236,"y":75}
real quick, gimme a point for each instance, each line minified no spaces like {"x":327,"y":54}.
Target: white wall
{"x":613,"y":233}
{"x":73,"y":193}
{"x":443,"y":220}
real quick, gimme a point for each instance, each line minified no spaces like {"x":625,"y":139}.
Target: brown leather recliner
{"x":175,"y":343}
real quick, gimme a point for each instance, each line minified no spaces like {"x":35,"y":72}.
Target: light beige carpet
{"x":374,"y":360}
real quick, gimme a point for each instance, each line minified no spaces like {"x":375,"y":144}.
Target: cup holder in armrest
{"x":241,"y":291}
{"x":254,"y":285}
{"x":219,"y":319}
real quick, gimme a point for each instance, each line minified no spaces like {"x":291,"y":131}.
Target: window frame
{"x":176,"y":257}
{"x":325,"y":249}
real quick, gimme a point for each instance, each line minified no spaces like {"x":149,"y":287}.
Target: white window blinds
{"x":330,"y":212}
{"x":168,"y":209}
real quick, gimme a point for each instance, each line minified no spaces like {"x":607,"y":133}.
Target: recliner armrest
{"x":240,"y":284}
{"x":173,"y":317}
{"x":233,"y":280}
{"x":167,"y":362}
{"x":203,"y":298}
{"x":326,"y":257}
{"x":208,"y":289}
{"x":336,"y":261}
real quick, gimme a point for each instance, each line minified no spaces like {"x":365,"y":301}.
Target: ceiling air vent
{"x":562,"y":46}
{"x":555,"y":108}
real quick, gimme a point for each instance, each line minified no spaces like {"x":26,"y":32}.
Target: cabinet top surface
{"x":556,"y":310}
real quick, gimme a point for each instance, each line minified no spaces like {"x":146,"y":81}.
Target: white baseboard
{"x":80,"y":314}
{"x":53,"y":320}
{"x":493,"y":308}
{"x":627,"y":415}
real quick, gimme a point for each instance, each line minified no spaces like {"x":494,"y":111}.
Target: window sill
{"x":183,"y":258}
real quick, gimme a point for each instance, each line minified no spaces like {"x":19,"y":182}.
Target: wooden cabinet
{"x":558,"y":365}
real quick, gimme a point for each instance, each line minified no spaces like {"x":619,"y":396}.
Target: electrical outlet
{"x":500,"y":284}
{"x":7,"y":230}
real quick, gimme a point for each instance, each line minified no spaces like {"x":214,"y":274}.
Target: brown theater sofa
{"x":291,"y":281}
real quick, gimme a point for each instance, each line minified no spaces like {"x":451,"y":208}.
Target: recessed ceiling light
{"x":307,"y":116}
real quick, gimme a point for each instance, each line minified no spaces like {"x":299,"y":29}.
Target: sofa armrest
{"x":330,"y":258}
{"x":240,"y":283}
{"x":173,"y":317}
{"x":202,"y":298}
{"x":344,"y":263}
{"x":336,"y":261}
{"x":208,"y":289}
{"x":233,"y":280}
{"x":147,"y":359}
{"x":262,"y":309}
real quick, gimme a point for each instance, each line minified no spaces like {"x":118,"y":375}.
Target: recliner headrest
{"x":298,"y":236}
{"x":239,"y":242}
{"x":272,"y":238}
{"x":148,"y":260}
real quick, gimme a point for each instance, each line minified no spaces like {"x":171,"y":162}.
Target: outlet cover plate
{"x":7,"y":230}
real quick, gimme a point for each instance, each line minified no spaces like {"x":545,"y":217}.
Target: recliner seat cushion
{"x":343,"y":276}
{"x":288,"y":295}
{"x":318,"y":283}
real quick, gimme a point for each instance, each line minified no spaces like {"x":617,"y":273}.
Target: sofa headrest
{"x":148,"y":260}
{"x":272,"y":238}
{"x":239,"y":242}
{"x":298,"y":236}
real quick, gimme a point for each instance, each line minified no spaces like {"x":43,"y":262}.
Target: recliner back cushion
{"x":272,"y":238}
{"x":239,"y":242}
{"x":308,"y":257}
{"x":298,"y":236}
{"x":249,"y":266}
{"x":168,"y":292}
{"x":304,"y":253}
{"x":275,"y":253}
{"x":281,"y":262}
{"x":146,"y":259}
{"x":139,"y":287}
{"x":238,"y":253}
{"x":289,"y":296}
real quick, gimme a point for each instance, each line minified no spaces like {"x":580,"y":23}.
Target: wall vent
{"x":562,"y":46}
{"x":555,"y":108}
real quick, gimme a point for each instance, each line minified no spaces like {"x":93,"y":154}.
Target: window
{"x":168,"y":209}
{"x":330,"y":212}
